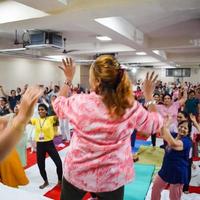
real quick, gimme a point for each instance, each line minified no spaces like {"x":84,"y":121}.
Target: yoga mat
{"x":139,"y":143}
{"x":138,"y":188}
{"x":151,"y":156}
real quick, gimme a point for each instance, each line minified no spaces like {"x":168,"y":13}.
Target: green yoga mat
{"x":138,"y":188}
{"x":150,"y":156}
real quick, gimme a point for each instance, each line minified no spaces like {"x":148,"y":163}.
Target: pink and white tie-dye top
{"x":99,"y":157}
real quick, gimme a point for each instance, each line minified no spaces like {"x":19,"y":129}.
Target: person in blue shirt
{"x":174,"y":170}
{"x":192,"y":105}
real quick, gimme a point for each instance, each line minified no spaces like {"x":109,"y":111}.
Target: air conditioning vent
{"x":44,"y":39}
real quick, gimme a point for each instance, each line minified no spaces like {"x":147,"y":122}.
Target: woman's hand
{"x":167,"y":121}
{"x":166,"y":124}
{"x":193,"y":118}
{"x":68,"y":68}
{"x":28,"y":101}
{"x":149,"y":85}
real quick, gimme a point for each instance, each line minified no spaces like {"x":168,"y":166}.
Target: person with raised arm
{"x":174,"y":169}
{"x":11,"y":135}
{"x":99,"y":159}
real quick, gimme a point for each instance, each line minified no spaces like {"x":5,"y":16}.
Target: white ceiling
{"x":171,"y":26}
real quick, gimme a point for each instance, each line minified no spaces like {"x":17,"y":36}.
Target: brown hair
{"x":114,"y":85}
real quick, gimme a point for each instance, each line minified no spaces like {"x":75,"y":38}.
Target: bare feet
{"x":45,"y":184}
{"x":135,"y":157}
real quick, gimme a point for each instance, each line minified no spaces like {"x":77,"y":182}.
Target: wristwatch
{"x":68,"y":83}
{"x":148,"y":103}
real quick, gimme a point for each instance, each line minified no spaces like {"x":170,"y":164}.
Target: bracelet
{"x":152,"y":102}
{"x":68,"y":83}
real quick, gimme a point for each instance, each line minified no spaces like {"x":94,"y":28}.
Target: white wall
{"x":16,"y":72}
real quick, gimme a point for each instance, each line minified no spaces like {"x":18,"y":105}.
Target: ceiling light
{"x":103,"y":38}
{"x":56,"y":57}
{"x":14,"y":49}
{"x":84,"y":61}
{"x":141,"y":53}
{"x":18,"y":12}
{"x":134,"y":70}
{"x":164,"y":67}
{"x":156,"y":51}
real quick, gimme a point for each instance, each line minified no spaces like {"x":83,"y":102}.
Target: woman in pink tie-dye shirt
{"x":99,"y":159}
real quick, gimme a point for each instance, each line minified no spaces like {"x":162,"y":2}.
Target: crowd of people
{"x":99,"y":159}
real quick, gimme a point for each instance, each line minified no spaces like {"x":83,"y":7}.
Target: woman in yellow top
{"x":44,"y":134}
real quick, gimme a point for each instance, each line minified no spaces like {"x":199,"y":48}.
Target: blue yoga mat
{"x":138,"y":188}
{"x":138,"y":143}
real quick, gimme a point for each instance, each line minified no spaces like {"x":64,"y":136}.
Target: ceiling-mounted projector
{"x":44,"y":39}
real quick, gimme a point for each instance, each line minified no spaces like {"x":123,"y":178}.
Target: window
{"x":181,"y":72}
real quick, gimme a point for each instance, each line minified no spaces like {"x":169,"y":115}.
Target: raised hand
{"x":28,"y":101}
{"x":68,"y":68}
{"x":193,"y":118}
{"x":168,"y":121}
{"x":165,"y":129}
{"x":149,"y":85}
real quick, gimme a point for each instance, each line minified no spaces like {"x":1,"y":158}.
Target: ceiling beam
{"x":170,"y":43}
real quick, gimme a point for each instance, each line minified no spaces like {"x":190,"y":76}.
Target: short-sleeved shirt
{"x":171,"y":111}
{"x":191,"y":106}
{"x":99,"y":157}
{"x":174,"y":168}
{"x":44,"y":126}
{"x":13,"y":101}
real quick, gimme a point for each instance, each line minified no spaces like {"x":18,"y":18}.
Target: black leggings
{"x":186,"y":186}
{"x":70,"y":192}
{"x":42,"y":149}
{"x":153,"y":139}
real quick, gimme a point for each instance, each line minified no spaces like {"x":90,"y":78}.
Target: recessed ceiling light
{"x":56,"y":57}
{"x":103,"y":38}
{"x":164,"y":67}
{"x":141,"y":53}
{"x":133,"y":70}
{"x":156,"y":51}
